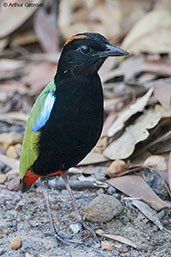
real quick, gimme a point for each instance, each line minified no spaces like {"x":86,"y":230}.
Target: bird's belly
{"x":69,"y":138}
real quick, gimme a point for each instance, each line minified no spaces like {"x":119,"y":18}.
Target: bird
{"x":66,"y":119}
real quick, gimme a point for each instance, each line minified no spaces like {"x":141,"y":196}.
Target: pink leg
{"x":79,"y":218}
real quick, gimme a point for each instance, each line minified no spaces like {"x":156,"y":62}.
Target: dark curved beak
{"x":113,"y":51}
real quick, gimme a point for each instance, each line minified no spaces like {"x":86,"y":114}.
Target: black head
{"x":84,"y":53}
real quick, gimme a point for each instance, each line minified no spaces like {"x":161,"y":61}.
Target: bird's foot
{"x":59,"y":238}
{"x":84,"y":226}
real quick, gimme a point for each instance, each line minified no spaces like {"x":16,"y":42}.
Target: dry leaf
{"x":94,"y":16}
{"x":40,"y":76}
{"x":135,"y":186}
{"x":121,"y":239}
{"x":162,"y":92}
{"x":12,"y":18}
{"x":3,"y":43}
{"x":152,"y":34}
{"x":124,"y":146}
{"x":24,"y":39}
{"x":8,"y":64}
{"x":45,"y":25}
{"x":126,"y":114}
{"x":156,"y":162}
{"x":148,"y":212}
{"x":169,"y":171}
{"x":106,"y":68}
{"x":14,"y":116}
{"x":133,"y":65}
{"x":93,"y":158}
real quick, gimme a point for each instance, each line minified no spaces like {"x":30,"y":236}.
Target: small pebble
{"x":18,"y":208}
{"x":117,"y":195}
{"x":111,"y":190}
{"x":29,"y":255}
{"x":116,"y":167}
{"x":12,"y":173}
{"x":100,"y":191}
{"x":125,"y":220}
{"x":107,"y":245}
{"x":64,"y":192}
{"x":165,"y":222}
{"x":48,"y":247}
{"x":103,"y":208}
{"x":99,"y":174}
{"x":99,"y":232}
{"x":13,"y":184}
{"x":7,"y":139}
{"x":3,"y":178}
{"x":18,"y":149}
{"x":75,"y":228}
{"x":16,"y":243}
{"x":122,"y":249}
{"x":155,"y":228}
{"x":2,"y":166}
{"x":55,"y":207}
{"x":11,"y":152}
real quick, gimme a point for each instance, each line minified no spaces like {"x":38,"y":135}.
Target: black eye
{"x":85,"y":49}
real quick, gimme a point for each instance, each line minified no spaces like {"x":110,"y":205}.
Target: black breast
{"x":74,"y":126}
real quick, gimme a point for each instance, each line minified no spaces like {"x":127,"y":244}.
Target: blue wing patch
{"x":45,"y":112}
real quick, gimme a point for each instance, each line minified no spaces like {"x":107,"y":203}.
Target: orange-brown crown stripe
{"x":74,"y":37}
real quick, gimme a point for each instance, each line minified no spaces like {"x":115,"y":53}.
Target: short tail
{"x":28,"y":180}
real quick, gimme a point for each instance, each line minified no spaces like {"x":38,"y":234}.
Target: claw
{"x":85,"y":226}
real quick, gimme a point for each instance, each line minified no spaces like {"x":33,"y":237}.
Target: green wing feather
{"x":28,"y":151}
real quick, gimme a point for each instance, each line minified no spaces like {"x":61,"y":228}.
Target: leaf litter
{"x":137,"y":109}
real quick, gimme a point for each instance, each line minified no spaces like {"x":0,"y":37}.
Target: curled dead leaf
{"x":152,"y":34}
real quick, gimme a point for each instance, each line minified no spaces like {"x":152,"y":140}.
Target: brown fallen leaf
{"x":45,"y":25}
{"x":156,"y":162}
{"x":162,"y":92}
{"x":12,"y":18}
{"x":11,"y":68}
{"x":169,"y":170}
{"x":76,"y":16}
{"x":157,"y":144}
{"x":92,"y":158}
{"x":124,"y":146}
{"x":126,"y":114}
{"x":148,"y":212}
{"x":135,"y":186}
{"x":144,"y":36}
{"x":108,"y":66}
{"x":120,"y":239}
{"x":40,"y":76}
{"x":108,"y":122}
{"x":24,"y":39}
{"x":14,"y":116}
{"x":3,"y":43}
{"x":133,"y":65}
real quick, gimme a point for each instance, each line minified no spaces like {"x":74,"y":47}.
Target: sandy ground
{"x":24,"y":215}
